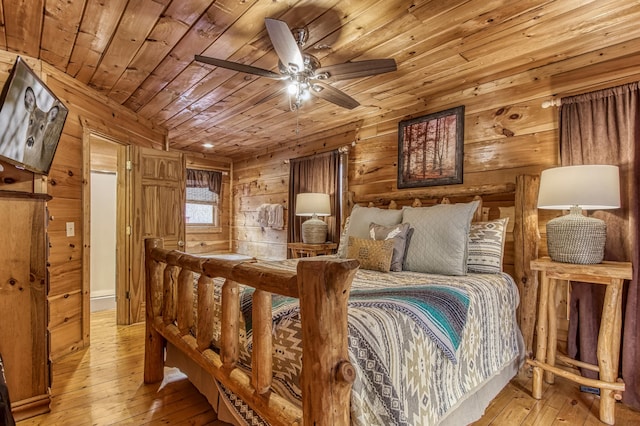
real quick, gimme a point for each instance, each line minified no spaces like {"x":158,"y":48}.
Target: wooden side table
{"x":299,"y":250}
{"x":610,"y":274}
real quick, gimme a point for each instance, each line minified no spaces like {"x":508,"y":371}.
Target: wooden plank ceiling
{"x":141,"y":54}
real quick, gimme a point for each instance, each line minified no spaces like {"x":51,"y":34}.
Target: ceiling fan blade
{"x":284,"y":44}
{"x":356,"y":69}
{"x":331,"y":94}
{"x":239,"y":67}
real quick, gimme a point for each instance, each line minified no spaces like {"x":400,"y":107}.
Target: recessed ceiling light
{"x":207,"y":145}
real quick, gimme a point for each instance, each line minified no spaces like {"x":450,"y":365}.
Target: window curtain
{"x":603,"y":127}
{"x":205,"y":179}
{"x":316,"y":173}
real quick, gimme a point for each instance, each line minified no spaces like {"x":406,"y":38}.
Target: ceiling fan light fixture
{"x":303,"y":71}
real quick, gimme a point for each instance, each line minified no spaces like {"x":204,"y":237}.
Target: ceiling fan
{"x":303,"y":71}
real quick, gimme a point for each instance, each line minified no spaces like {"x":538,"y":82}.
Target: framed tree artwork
{"x":430,"y":149}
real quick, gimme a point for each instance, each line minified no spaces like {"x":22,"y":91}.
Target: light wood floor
{"x":102,"y":385}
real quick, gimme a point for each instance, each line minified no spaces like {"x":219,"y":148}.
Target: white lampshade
{"x":314,"y":230}
{"x":310,"y":203}
{"x":590,"y":187}
{"x":575,"y":238}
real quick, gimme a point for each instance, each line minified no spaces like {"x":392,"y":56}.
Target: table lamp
{"x":575,"y":238}
{"x":314,"y":204}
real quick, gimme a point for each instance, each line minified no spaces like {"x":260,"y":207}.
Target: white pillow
{"x":440,"y":238}
{"x":359,"y":222}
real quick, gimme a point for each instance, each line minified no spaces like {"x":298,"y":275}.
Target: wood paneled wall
{"x":65,"y":186}
{"x":264,"y":179}
{"x":507,"y":133}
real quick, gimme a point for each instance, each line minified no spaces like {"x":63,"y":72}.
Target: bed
{"x":393,"y":347}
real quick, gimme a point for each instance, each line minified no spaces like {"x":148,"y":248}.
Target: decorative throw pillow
{"x":360,"y":219}
{"x":374,"y":255}
{"x":407,"y":243}
{"x":486,"y":246}
{"x":440,"y":238}
{"x":344,"y":239}
{"x":398,"y":234}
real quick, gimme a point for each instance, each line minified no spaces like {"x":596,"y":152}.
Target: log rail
{"x":327,"y":374}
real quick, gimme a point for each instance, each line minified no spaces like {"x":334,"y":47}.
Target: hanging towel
{"x":263,"y":215}
{"x":276,"y":216}
{"x":271,"y":216}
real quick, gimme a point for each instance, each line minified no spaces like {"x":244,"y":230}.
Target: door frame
{"x":123,"y":214}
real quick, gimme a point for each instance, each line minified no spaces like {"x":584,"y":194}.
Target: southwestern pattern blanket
{"x":420,"y":343}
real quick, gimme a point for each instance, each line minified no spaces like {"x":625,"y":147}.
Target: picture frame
{"x":431,"y":149}
{"x":31,"y":119}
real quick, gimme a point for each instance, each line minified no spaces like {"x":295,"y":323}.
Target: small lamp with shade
{"x":575,"y":238}
{"x":314,"y":204}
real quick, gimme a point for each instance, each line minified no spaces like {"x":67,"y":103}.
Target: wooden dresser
{"x":24,"y":282}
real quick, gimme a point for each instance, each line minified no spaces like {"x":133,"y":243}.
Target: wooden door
{"x":158,"y":199}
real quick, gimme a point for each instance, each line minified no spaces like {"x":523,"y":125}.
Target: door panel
{"x":158,"y":183}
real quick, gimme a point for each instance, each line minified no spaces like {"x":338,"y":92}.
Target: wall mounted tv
{"x":31,"y":120}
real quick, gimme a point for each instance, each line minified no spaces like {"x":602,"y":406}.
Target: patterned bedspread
{"x":419,"y":343}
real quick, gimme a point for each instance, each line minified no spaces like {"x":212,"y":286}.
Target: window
{"x":202,"y":206}
{"x":202,"y":197}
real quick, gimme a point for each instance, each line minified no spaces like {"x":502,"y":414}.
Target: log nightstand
{"x":299,"y":250}
{"x":610,"y":274}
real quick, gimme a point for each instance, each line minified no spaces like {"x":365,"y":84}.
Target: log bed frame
{"x":322,"y":285}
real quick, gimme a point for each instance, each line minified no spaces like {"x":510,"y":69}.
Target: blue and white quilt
{"x":419,"y":343}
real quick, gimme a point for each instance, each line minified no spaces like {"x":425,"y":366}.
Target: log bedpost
{"x":327,"y":374}
{"x":526,"y":238}
{"x":154,"y":342}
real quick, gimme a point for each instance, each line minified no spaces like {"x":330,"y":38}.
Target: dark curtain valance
{"x":205,"y":179}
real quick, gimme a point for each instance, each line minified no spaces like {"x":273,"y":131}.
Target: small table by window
{"x":610,"y":274}
{"x":299,"y":250}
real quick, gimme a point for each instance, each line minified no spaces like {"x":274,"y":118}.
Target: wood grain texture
{"x":327,"y":373}
{"x":23,"y":305}
{"x":486,"y":55}
{"x":89,"y":388}
{"x":612,"y":276}
{"x":499,"y":59}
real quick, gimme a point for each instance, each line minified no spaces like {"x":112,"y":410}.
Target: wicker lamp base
{"x":314,"y":231}
{"x":575,"y":238}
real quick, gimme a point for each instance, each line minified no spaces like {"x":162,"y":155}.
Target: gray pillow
{"x":440,"y":238}
{"x":359,"y":222}
{"x":398,"y":233}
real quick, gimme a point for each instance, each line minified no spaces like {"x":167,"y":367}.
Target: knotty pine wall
{"x":65,"y":186}
{"x":507,"y":133}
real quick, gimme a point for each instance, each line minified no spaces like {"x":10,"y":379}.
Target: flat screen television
{"x":31,"y":120}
